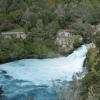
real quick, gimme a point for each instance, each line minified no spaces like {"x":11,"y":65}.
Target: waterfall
{"x":27,"y":72}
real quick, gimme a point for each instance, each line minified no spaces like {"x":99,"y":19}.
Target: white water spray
{"x":44,"y":71}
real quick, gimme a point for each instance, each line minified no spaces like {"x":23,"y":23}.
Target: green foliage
{"x":11,"y":50}
{"x":39,"y":26}
{"x":27,"y":27}
{"x":15,"y":16}
{"x":62,"y":12}
{"x":83,"y":29}
{"x":91,"y":13}
{"x":31,"y":47}
{"x":19,"y":29}
{"x":52,"y":27}
{"x":74,"y":40}
{"x":77,"y":40}
{"x":97,"y":40}
{"x":89,"y":79}
{"x":91,"y":57}
{"x":92,"y":78}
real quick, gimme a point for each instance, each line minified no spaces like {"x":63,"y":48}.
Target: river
{"x":33,"y":77}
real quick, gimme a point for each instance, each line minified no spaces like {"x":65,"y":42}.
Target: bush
{"x":91,"y":57}
{"x":15,"y":16}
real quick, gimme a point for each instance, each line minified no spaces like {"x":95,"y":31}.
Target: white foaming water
{"x":44,"y":71}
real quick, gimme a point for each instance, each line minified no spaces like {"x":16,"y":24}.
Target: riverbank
{"x":92,"y":78}
{"x":37,"y":47}
{"x":42,"y":57}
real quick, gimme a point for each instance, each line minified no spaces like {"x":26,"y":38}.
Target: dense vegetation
{"x":42,"y":19}
{"x":13,"y":49}
{"x":48,"y":15}
{"x":91,"y":81}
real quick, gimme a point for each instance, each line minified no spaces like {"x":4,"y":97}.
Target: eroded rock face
{"x":62,"y":40}
{"x":19,"y":35}
{"x":91,"y":45}
{"x":65,"y":40}
{"x":96,"y":29}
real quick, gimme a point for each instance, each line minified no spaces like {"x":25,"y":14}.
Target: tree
{"x":5,"y":5}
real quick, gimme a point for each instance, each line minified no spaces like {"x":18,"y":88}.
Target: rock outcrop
{"x":67,"y":41}
{"x":19,"y":35}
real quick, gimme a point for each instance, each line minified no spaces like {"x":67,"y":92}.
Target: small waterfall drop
{"x":21,"y":75}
